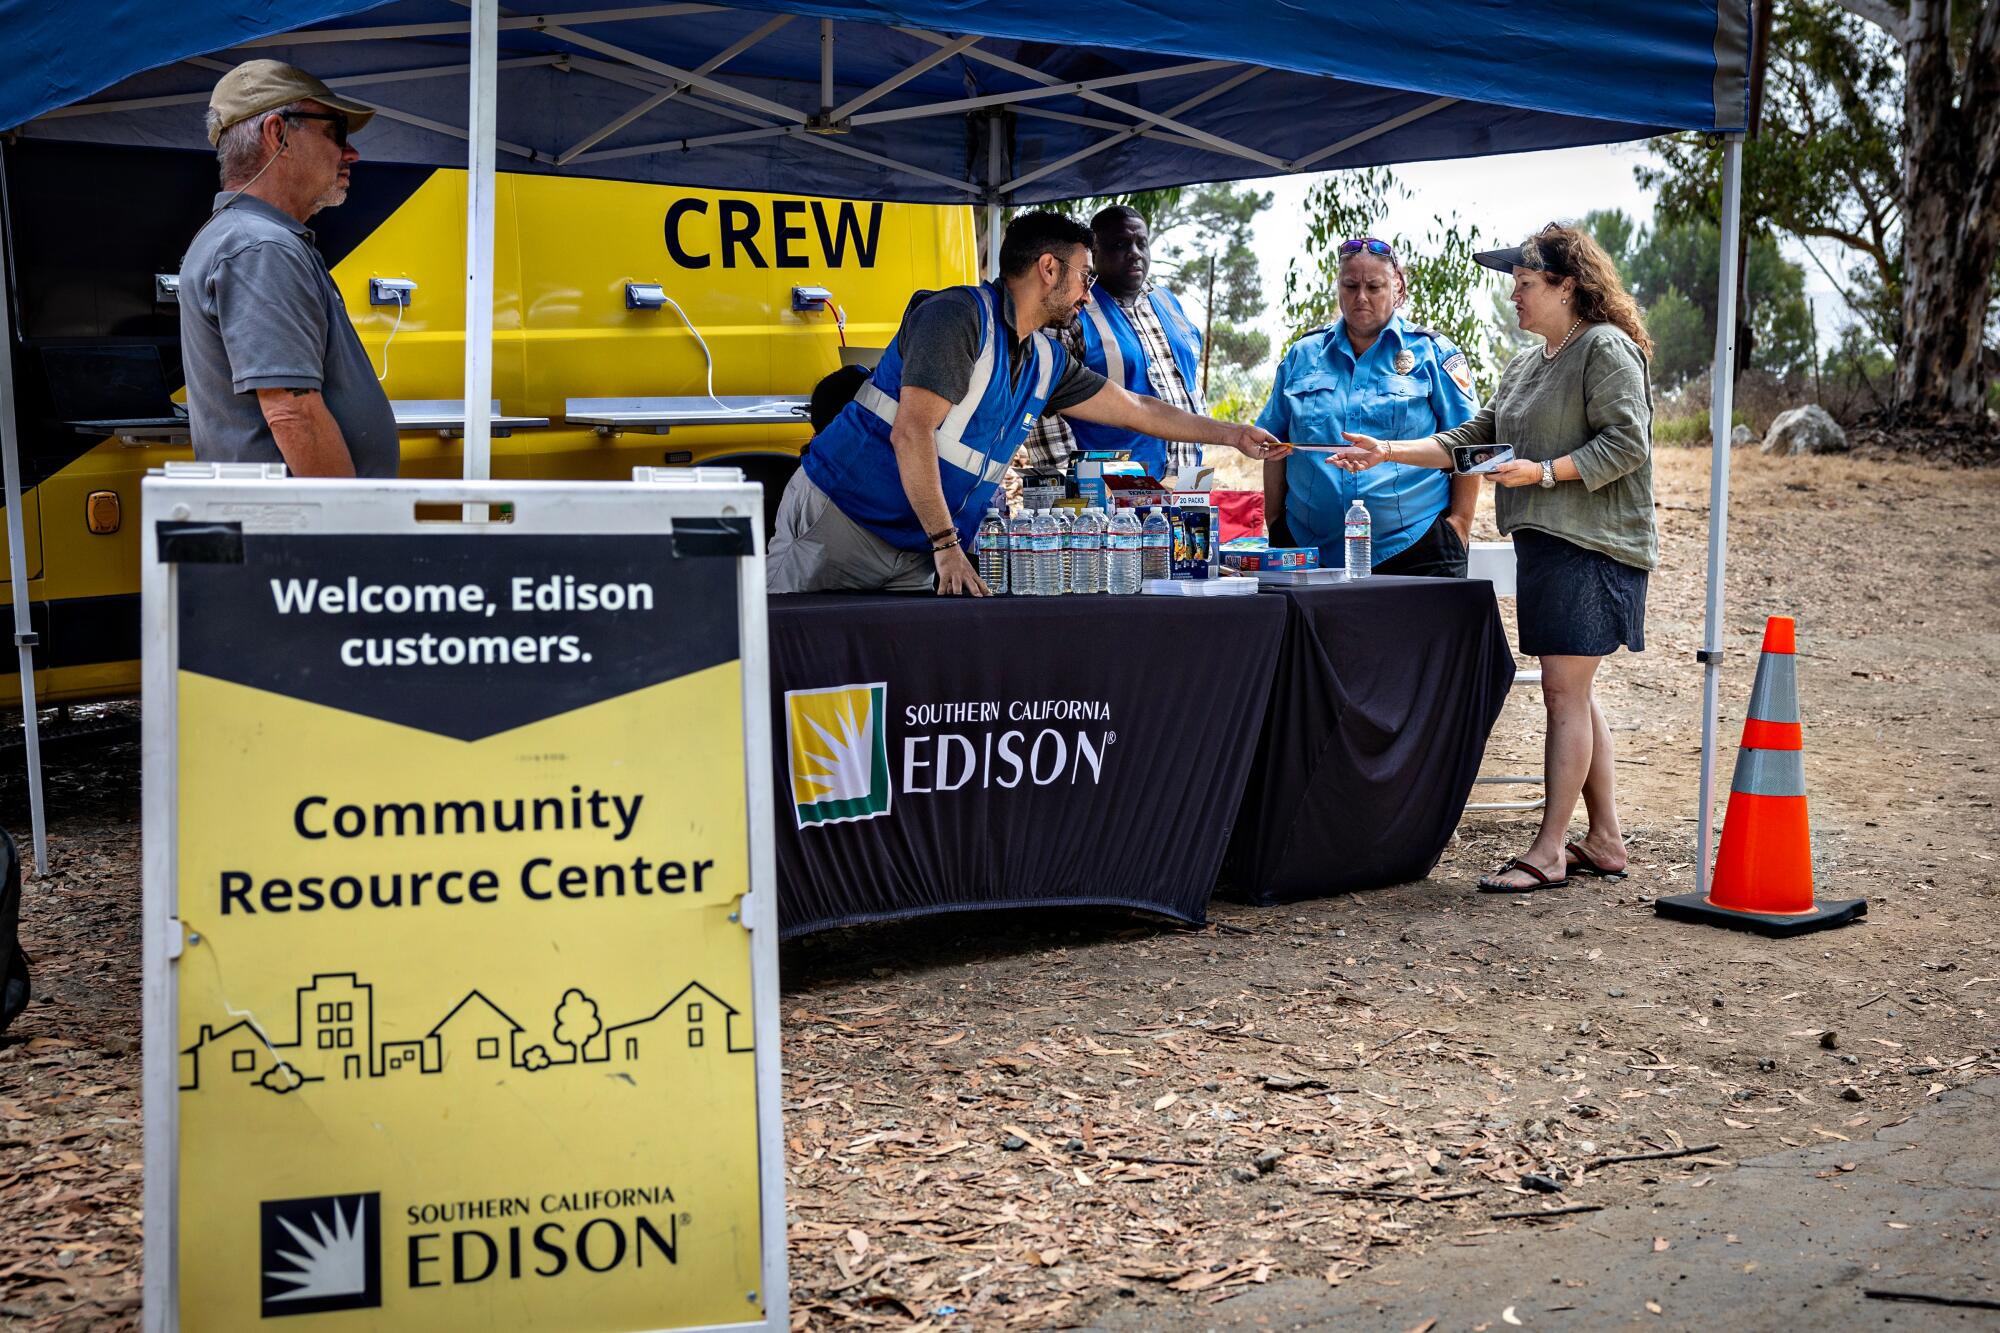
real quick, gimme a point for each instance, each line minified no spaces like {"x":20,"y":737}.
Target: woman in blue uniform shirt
{"x":1373,"y":367}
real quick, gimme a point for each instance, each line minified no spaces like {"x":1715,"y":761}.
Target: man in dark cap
{"x":275,"y":372}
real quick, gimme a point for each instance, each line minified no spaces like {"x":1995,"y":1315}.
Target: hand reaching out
{"x":1257,"y":442}
{"x":1362,"y":453}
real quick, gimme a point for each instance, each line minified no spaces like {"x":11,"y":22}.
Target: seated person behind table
{"x":890,"y":494}
{"x":1371,"y":366}
{"x":1134,"y":333}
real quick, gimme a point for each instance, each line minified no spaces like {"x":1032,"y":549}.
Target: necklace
{"x":1547,"y":355}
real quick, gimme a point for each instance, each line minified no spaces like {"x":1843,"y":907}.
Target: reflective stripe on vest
{"x":853,"y":460}
{"x":1107,"y":343}
{"x":950,"y":436}
{"x":1769,"y":773}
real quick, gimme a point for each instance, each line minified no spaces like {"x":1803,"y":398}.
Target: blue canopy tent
{"x":997,"y":102}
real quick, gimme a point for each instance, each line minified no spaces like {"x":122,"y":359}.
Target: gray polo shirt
{"x":260,"y":311}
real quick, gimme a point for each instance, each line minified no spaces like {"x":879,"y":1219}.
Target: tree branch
{"x":1883,"y":15}
{"x":1854,"y":240}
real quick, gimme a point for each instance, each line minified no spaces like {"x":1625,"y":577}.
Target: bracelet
{"x":941,"y":534}
{"x":938,"y":548}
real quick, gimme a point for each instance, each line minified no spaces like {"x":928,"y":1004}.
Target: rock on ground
{"x":1805,"y":430}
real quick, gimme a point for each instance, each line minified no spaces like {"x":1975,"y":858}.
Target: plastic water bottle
{"x":1121,"y":553}
{"x":1156,"y":546}
{"x":1360,"y":541}
{"x":1021,"y":553}
{"x":1087,"y":552}
{"x":1048,"y":554}
{"x":1066,"y":538}
{"x":993,"y":551}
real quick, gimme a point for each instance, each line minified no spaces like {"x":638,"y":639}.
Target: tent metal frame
{"x":700,"y":86}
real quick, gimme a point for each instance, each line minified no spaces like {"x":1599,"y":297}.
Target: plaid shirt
{"x":1052,"y":441}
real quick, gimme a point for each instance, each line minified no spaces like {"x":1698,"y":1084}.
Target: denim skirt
{"x":1575,"y":602}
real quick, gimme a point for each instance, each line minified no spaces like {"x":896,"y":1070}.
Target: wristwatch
{"x":1548,"y":474}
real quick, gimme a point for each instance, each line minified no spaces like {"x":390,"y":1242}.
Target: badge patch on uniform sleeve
{"x":1460,"y":371}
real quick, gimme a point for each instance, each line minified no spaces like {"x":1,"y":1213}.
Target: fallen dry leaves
{"x":1039,"y":1119}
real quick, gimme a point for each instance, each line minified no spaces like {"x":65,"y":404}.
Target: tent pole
{"x":993,"y":169}
{"x":1722,"y":393}
{"x":17,"y":569}
{"x":825,"y":66}
{"x":482,"y":75}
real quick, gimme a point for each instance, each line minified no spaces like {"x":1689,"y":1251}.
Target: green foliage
{"x":1826,"y":162}
{"x":1859,"y":370}
{"x":1615,"y":231}
{"x":1446,"y":287}
{"x":1202,"y":249}
{"x":1682,"y":342}
{"x":1152,"y":205}
{"x":1691,"y":429}
{"x":1506,"y":338}
{"x":1673,"y":268}
{"x":1238,"y":396}
{"x":1233,"y":345}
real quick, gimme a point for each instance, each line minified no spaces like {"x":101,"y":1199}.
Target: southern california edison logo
{"x":839,"y":752}
{"x":321,"y":1254}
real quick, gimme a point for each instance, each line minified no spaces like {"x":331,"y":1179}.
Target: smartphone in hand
{"x":1472,"y":459}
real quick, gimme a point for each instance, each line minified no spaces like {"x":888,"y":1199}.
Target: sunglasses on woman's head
{"x":1368,"y":243}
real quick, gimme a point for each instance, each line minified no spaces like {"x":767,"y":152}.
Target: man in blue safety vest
{"x":891,"y":493}
{"x":1134,"y":333}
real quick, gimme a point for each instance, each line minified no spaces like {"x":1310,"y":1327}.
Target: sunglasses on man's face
{"x":1368,"y":243}
{"x":339,"y":122}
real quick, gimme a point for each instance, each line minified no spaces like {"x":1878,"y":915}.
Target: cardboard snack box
{"x":1256,"y":559}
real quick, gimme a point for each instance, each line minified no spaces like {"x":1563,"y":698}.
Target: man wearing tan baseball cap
{"x":271,"y":85}
{"x":275,"y":372}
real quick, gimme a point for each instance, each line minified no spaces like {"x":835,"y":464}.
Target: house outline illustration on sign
{"x":334,"y":1038}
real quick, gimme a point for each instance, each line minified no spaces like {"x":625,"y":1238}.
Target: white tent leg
{"x":1722,"y":393}
{"x":17,"y":566}
{"x":994,"y":158}
{"x":479,"y":188}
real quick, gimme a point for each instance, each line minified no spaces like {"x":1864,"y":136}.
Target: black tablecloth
{"x":1384,"y":695}
{"x":1130,"y":722}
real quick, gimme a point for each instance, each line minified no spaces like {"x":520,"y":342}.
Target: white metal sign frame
{"x":260,"y":498}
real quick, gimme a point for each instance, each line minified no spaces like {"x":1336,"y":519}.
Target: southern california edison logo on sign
{"x":837,"y":746}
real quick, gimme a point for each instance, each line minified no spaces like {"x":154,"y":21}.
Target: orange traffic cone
{"x":1763,"y":877}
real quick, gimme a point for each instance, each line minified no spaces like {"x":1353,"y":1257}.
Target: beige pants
{"x":816,"y":548}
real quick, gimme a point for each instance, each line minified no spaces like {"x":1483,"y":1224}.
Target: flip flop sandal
{"x":1492,"y":884}
{"x":1581,"y":863}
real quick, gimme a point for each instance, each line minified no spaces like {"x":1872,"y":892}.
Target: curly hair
{"x":1568,"y":252}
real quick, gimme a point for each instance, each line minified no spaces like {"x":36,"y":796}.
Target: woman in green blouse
{"x":1578,"y":502}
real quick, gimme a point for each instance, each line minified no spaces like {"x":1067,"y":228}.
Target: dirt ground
{"x":1056,"y":1119}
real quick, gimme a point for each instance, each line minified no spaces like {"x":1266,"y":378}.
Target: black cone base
{"x":1824,"y":916}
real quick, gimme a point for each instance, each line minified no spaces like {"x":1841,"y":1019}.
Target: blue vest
{"x":1111,"y":348}
{"x":853,"y":461}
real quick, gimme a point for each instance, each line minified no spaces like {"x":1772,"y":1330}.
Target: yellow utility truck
{"x":603,"y":290}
